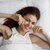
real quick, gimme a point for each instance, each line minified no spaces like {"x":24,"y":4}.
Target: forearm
{"x":2,"y":15}
{"x":47,"y":37}
{"x":2,"y":28}
{"x":43,"y":43}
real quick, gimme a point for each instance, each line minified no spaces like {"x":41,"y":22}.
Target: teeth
{"x":27,"y":27}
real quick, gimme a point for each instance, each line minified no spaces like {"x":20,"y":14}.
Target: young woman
{"x":16,"y":28}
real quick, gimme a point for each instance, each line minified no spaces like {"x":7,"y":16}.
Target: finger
{"x":23,"y":21}
{"x":16,"y":19}
{"x":19,"y":23}
{"x":34,"y":30}
{"x":39,"y":30}
{"x":20,"y":20}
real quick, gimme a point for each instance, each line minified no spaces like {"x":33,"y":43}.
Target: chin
{"x":26,"y":30}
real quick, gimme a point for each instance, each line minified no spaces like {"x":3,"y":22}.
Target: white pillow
{"x":4,"y":0}
{"x":9,"y":0}
{"x":11,"y":7}
{"x":49,"y":9}
{"x":43,"y":6}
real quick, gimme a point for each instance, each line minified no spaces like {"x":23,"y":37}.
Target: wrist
{"x":10,"y":16}
{"x":44,"y":33}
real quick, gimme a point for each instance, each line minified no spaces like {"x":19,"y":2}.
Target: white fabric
{"x":49,"y":9}
{"x":17,"y":38}
{"x":21,"y":47}
{"x":1,"y":40}
{"x":9,"y":0}
{"x":4,"y":0}
{"x":12,"y":7}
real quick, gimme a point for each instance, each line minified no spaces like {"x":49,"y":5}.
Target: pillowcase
{"x":11,"y":7}
{"x":49,"y":9}
{"x":9,"y":0}
{"x":4,"y":0}
{"x":43,"y":6}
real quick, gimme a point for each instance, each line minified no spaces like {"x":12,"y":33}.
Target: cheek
{"x":33,"y":26}
{"x":22,"y":26}
{"x":26,"y":22}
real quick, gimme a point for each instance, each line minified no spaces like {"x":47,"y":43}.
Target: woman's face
{"x":30,"y":22}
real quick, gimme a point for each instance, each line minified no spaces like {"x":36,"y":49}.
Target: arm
{"x":15,"y":17}
{"x":6,"y":31}
{"x":37,"y":40}
{"x":47,"y":37}
{"x":2,"y":15}
{"x":40,"y":30}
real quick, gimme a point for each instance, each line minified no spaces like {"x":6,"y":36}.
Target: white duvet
{"x":21,"y":47}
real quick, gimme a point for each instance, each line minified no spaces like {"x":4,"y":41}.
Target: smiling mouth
{"x":27,"y":28}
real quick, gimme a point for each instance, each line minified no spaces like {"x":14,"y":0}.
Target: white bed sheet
{"x":21,"y":47}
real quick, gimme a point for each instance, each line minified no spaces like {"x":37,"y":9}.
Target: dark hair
{"x":29,"y":10}
{"x":26,"y":10}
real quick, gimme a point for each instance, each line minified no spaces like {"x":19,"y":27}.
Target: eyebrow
{"x":30,"y":20}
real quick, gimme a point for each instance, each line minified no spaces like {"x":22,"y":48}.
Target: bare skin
{"x":25,"y":24}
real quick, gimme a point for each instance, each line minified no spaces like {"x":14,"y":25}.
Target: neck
{"x":21,"y":31}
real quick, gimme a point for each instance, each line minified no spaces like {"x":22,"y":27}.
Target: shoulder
{"x":8,"y":32}
{"x":5,"y":30}
{"x":34,"y":38}
{"x":4,"y":27}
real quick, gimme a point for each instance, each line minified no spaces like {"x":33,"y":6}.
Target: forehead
{"x":31,"y":17}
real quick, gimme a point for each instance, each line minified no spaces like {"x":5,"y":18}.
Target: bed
{"x":11,"y":6}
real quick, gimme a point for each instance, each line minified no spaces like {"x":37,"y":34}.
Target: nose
{"x":29,"y":24}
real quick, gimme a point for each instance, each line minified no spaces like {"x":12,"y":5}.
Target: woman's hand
{"x":38,"y":29}
{"x":19,"y":18}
